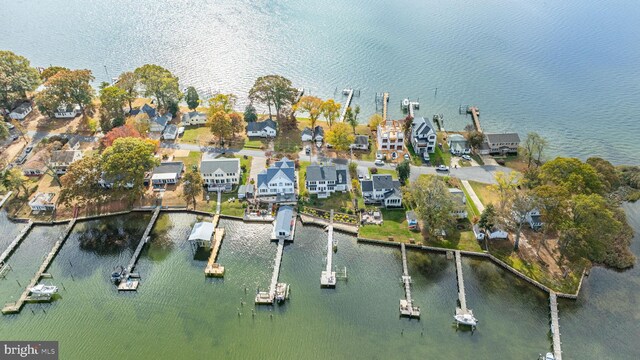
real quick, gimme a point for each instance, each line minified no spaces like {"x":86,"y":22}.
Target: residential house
{"x":498,"y":234}
{"x":62,"y":159}
{"x":147,"y":109}
{"x":459,"y":203}
{"x":36,"y":165}
{"x":246,"y":191}
{"x":43,"y":202}
{"x":170,"y":132}
{"x":168,"y":172}
{"x":390,"y":136}
{"x":458,"y":144}
{"x":158,"y":124}
{"x":73,"y":143}
{"x":108,"y":183}
{"x":381,"y":189}
{"x":501,"y":144}
{"x":324,"y":180}
{"x":67,"y":111}
{"x":21,"y":111}
{"x":194,"y":118}
{"x":534,"y":219}
{"x":412,"y":220}
{"x":284,"y":223}
{"x":307,"y":134}
{"x":423,"y":137}
{"x":266,"y":128}
{"x":360,"y":142}
{"x":278,"y":179}
{"x":220,"y":174}
{"x":318,"y":134}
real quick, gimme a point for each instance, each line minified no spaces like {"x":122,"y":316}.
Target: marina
{"x":328,"y":276}
{"x":407,"y":308}
{"x":463,"y":314}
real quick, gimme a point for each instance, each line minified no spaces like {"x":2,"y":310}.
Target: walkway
{"x":125,"y":283}
{"x":385,"y":103}
{"x":268,"y":297}
{"x":5,"y":198}
{"x":15,"y":242}
{"x":213,"y":268}
{"x":218,"y":204}
{"x":346,"y":104}
{"x":406,"y":305}
{"x":475,"y":114}
{"x":462,"y":298}
{"x":473,"y":196}
{"x":258,"y":163}
{"x":328,"y":277}
{"x":555,"y":326}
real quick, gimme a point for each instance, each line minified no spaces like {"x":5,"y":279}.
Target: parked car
{"x":466,"y":157}
{"x":442,"y":168}
{"x":406,"y":156}
{"x":329,"y":146}
{"x":10,"y":125}
{"x":379,"y":162}
{"x":28,"y":149}
{"x":14,"y":137}
{"x":379,"y":156}
{"x":307,"y":149}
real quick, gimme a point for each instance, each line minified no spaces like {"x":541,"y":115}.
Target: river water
{"x":566,"y":69}
{"x":178,"y":313}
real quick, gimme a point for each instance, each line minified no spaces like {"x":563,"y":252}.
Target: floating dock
{"x":7,"y":252}
{"x":13,"y":308}
{"x":349,"y":93}
{"x":385,"y":105}
{"x":213,"y":268}
{"x":462,"y":299}
{"x":475,"y":115}
{"x":269,"y":297}
{"x":328,"y":276}
{"x":555,"y":326}
{"x":126,"y":283}
{"x":407,"y":308}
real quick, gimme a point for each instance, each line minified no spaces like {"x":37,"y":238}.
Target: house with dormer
{"x":267,"y":128}
{"x":220,"y":174}
{"x":324,"y":180}
{"x":423,"y":137}
{"x":383,"y":190}
{"x":278,"y":179}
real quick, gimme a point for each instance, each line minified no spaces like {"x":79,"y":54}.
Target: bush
{"x":373,"y":170}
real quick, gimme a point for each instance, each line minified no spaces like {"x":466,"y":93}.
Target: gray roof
{"x":382,"y":181}
{"x":171,"y":129}
{"x":192,"y":115}
{"x":319,"y":173}
{"x":342,"y":176}
{"x":259,"y":126}
{"x":151,"y":112}
{"x":162,"y":120}
{"x":286,"y":166}
{"x":366,"y":185}
{"x":201,"y":231}
{"x":224,"y":164}
{"x":422,"y":126}
{"x":307,"y":131}
{"x":283,"y":219}
{"x":63,"y":156}
{"x":503,"y":138}
{"x":22,"y":109}
{"x":361,"y":140}
{"x":169,"y":167}
{"x":457,"y":195}
{"x":73,"y":142}
{"x":318,"y":131}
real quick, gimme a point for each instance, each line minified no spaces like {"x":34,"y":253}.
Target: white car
{"x":442,"y":168}
{"x":379,"y":162}
{"x":466,"y":157}
{"x":379,"y":156}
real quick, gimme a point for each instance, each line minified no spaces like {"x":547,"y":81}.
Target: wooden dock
{"x":126,"y":283}
{"x":328,"y":276}
{"x":475,"y":115}
{"x":264,"y":297}
{"x":555,"y":326}
{"x":462,"y":298}
{"x":9,"y":250}
{"x":15,"y":307}
{"x":349,"y":93}
{"x":385,"y":105}
{"x":407,"y":308}
{"x":213,"y":268}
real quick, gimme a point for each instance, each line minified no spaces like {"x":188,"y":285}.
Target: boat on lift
{"x":282,"y":292}
{"x":466,"y":319}
{"x":43,"y":290}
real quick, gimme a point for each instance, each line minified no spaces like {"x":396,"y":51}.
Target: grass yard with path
{"x":485,"y":192}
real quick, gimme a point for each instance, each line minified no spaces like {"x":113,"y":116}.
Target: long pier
{"x":406,"y":305}
{"x":268,"y":297}
{"x":385,"y":105}
{"x":126,"y":284}
{"x":475,"y":115}
{"x":13,"y":308}
{"x":462,"y":298}
{"x":555,"y":326}
{"x":7,"y":252}
{"x":328,"y":277}
{"x":213,"y":268}
{"x":349,"y":93}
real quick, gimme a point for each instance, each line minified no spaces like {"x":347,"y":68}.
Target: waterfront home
{"x":43,"y":202}
{"x":316,"y":134}
{"x":220,"y":174}
{"x":166,"y":173}
{"x":267,"y":128}
{"x":500,"y":144}
{"x":170,"y":132}
{"x":307,"y":134}
{"x":458,"y":145}
{"x":390,"y":136}
{"x":360,"y":142}
{"x":278,"y":179}
{"x":194,"y":118}
{"x":423,"y":137}
{"x":62,"y":159}
{"x":324,"y":180}
{"x":412,"y":220}
{"x":21,"y":112}
{"x":381,"y":189}
{"x":65,"y":111}
{"x":246,"y":191}
{"x":107,"y":183}
{"x":36,"y":165}
{"x":498,"y":234}
{"x":459,"y":203}
{"x":147,"y":109}
{"x":534,"y":219}
{"x":158,"y":124}
{"x":284,"y":223}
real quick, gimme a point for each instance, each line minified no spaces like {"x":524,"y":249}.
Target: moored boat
{"x":43,"y":290}
{"x":466,"y":319}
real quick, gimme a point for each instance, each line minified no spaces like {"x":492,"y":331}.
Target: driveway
{"x":258,"y":163}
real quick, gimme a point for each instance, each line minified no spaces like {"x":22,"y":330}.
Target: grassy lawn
{"x":440,"y":156}
{"x":464,"y":163}
{"x":471,"y":206}
{"x":394,"y":225}
{"x":338,"y":201}
{"x":192,"y":159}
{"x":196,"y":135}
{"x":233,"y":208}
{"x":477,"y":158}
{"x":253,"y":144}
{"x":485,"y":193}
{"x":393,"y":173}
{"x":415,"y":159}
{"x":288,"y":141}
{"x":460,"y":240}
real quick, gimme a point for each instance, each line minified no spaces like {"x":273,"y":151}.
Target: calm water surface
{"x":566,"y":69}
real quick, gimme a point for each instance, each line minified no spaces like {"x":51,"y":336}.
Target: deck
{"x":213,"y":268}
{"x":555,"y":326}
{"x":475,"y":115}
{"x":385,"y":105}
{"x":264,"y":297}
{"x":328,"y":276}
{"x":462,"y":298}
{"x":346,"y":104}
{"x":407,"y":308}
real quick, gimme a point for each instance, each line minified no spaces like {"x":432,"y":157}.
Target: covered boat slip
{"x":207,"y":235}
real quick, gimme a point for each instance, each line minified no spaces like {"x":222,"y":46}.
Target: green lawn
{"x":195,"y":135}
{"x":472,"y":209}
{"x":338,"y":201}
{"x":459,"y":240}
{"x":233,"y":208}
{"x":415,"y":159}
{"x":253,"y":144}
{"x":394,"y":225}
{"x":192,"y":159}
{"x":441,"y":156}
{"x":393,"y":173}
{"x":485,"y":193}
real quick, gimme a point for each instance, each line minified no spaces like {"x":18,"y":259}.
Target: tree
{"x":126,"y":162}
{"x":119,"y":132}
{"x":161,"y":84}
{"x":433,"y":203}
{"x":576,"y":176}
{"x":13,"y":179}
{"x":340,"y":137}
{"x":141,"y":123}
{"x":250,"y":114}
{"x":220,"y":125}
{"x":533,"y":148}
{"x":350,"y":119}
{"x":16,"y":78}
{"x":521,"y":204}
{"x":488,"y":218}
{"x":505,"y":185}
{"x":553,"y":203}
{"x":273,"y":89}
{"x":50,"y":71}
{"x":112,"y":99}
{"x":311,"y":105}
{"x":404,"y":171}
{"x":222,"y":102}
{"x":192,"y":98}
{"x":236,"y":123}
{"x":4,"y":131}
{"x":128,"y":81}
{"x":475,"y":139}
{"x":608,"y":174}
{"x":80,"y":181}
{"x":69,"y":88}
{"x":353,"y":170}
{"x":330,"y":110}
{"x":374,"y":121}
{"x":191,"y":186}
{"x":356,"y":112}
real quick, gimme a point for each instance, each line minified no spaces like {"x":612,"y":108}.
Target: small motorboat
{"x":405,"y":103}
{"x":548,"y":356}
{"x":282,"y":292}
{"x":43,"y":290}
{"x":466,"y":319}
{"x":116,"y":275}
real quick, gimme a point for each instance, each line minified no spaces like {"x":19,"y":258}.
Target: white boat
{"x":43,"y":290}
{"x":549,"y":356}
{"x":405,"y":103}
{"x":282,"y":292}
{"x":466,"y":319}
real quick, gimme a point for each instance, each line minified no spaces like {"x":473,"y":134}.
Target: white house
{"x":459,"y":202}
{"x":318,"y":134}
{"x":498,"y":234}
{"x":267,"y":128}
{"x":194,"y":118}
{"x":360,"y":142}
{"x":67,"y":111}
{"x":43,"y":202}
{"x":166,"y":173}
{"x":307,"y":134}
{"x":381,"y":189}
{"x":423,"y":137}
{"x":278,"y":179}
{"x":506,"y":143}
{"x":390,"y":136}
{"x":534,"y":219}
{"x":324,"y":180}
{"x":220,"y":174}
{"x":458,"y":144}
{"x":21,"y":111}
{"x":62,"y":159}
{"x":170,"y":132}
